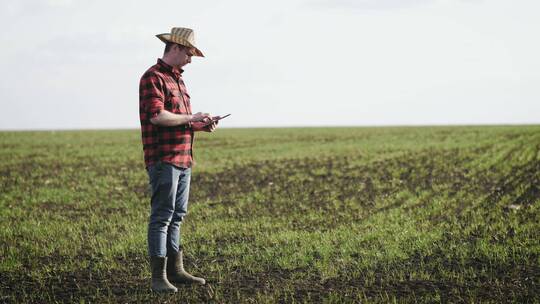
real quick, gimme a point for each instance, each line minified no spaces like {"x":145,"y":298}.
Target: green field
{"x":315,"y":215}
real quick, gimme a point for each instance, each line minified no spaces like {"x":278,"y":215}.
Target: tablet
{"x":217,"y":118}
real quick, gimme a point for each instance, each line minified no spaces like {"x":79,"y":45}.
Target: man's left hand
{"x":201,"y":126}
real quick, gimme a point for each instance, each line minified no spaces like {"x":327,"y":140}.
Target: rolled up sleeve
{"x":151,"y":94}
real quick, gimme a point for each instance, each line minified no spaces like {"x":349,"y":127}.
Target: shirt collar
{"x":168,"y":68}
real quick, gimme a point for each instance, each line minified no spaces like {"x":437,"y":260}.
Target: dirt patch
{"x":299,"y":185}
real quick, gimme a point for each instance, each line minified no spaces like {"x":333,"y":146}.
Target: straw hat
{"x":183,"y":36}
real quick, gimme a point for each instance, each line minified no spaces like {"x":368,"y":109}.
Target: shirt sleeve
{"x":151,"y":96}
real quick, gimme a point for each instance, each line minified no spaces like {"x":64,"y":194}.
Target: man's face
{"x":181,"y":55}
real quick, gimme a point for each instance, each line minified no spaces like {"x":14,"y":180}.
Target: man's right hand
{"x":202,"y":117}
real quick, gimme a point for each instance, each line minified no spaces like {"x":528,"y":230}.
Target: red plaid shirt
{"x":162,"y":88}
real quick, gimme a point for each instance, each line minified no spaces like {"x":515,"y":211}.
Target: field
{"x":315,"y":215}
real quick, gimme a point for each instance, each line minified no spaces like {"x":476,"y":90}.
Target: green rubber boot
{"x":176,"y":272}
{"x":159,"y":277}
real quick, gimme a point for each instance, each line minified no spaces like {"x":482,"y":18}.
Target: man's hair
{"x":169,"y":45}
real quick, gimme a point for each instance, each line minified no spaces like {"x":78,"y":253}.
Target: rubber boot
{"x":176,"y":272}
{"x":159,"y":276}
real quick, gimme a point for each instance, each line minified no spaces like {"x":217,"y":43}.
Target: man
{"x":167,"y":127}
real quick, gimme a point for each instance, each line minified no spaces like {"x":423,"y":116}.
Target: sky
{"x":70,"y":64}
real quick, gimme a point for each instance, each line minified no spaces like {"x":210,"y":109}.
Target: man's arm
{"x":168,"y":119}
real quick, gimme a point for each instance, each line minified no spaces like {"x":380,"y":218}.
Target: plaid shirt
{"x":162,"y":88}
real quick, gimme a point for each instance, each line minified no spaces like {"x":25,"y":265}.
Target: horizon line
{"x":289,"y":127}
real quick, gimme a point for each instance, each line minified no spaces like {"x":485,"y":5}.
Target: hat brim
{"x":166,"y":37}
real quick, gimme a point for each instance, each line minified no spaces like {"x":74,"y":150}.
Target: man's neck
{"x":168,"y":61}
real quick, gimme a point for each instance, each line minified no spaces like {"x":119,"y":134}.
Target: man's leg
{"x":175,"y":264}
{"x":164,"y":183}
{"x":180,"y":210}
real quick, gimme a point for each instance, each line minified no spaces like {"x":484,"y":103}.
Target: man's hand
{"x":201,"y":117}
{"x":202,"y":126}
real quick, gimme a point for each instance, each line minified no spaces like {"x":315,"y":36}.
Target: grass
{"x":316,"y":215}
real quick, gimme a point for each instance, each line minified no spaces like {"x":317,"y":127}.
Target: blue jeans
{"x":170,"y":194}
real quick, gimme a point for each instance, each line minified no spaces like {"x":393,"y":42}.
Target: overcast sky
{"x":77,"y":64}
